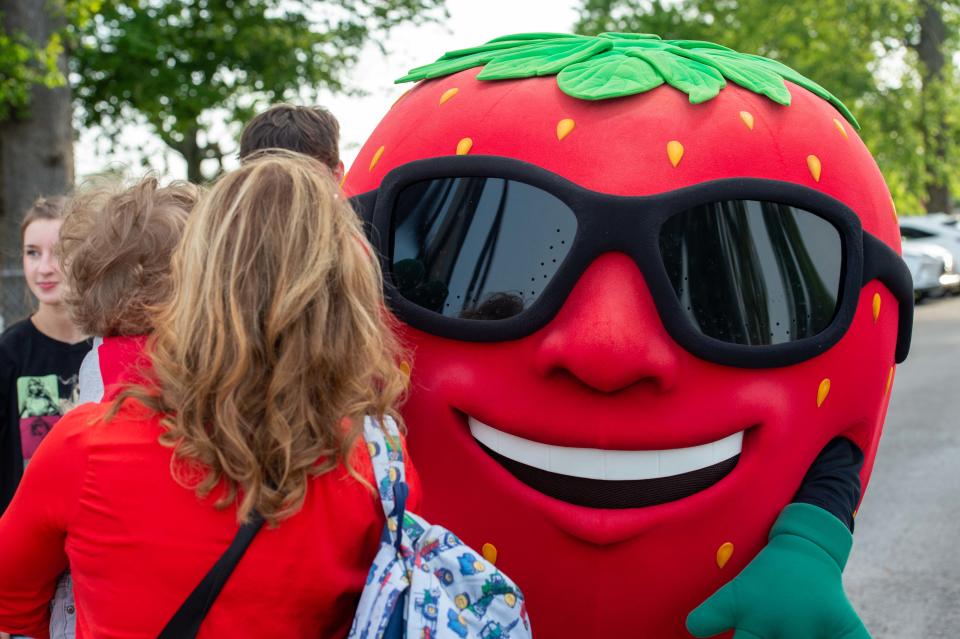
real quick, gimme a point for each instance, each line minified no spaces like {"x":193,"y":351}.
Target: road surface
{"x":904,"y":572}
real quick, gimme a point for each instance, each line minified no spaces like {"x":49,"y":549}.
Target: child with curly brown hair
{"x":115,"y":247}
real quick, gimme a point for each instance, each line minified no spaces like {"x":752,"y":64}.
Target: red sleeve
{"x":33,"y":528}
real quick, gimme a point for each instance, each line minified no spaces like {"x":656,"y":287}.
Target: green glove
{"x":792,"y":589}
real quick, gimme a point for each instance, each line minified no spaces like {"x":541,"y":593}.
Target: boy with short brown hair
{"x":312,"y":130}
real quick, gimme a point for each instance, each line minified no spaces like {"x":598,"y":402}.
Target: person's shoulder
{"x":16,"y":333}
{"x":79,"y":421}
{"x":14,"y":346}
{"x":93,"y":421}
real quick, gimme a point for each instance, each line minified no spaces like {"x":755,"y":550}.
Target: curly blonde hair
{"x":115,"y":248}
{"x":275,"y":343}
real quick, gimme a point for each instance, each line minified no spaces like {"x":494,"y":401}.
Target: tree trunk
{"x":36,"y":152}
{"x":191,"y":152}
{"x":932,"y":107}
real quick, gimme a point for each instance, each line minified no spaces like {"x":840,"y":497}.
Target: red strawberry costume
{"x":651,"y":309}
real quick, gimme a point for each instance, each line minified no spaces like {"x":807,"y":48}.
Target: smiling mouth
{"x":600,"y":478}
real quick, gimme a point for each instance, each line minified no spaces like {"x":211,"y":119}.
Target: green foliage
{"x":24,"y":62}
{"x":869,"y":53}
{"x":613,"y":65}
{"x":177,"y":64}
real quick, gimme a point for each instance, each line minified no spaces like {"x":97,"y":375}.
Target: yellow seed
{"x":564,"y":127}
{"x":343,"y":180}
{"x":889,"y":381}
{"x":843,"y":131}
{"x":823,"y":391}
{"x":464,"y":146}
{"x":747,"y":118}
{"x":376,"y":158}
{"x":489,"y":552}
{"x":893,"y":205}
{"x":724,"y":552}
{"x":674,"y":152}
{"x":405,"y":368}
{"x":449,"y":93}
{"x":876,"y":307}
{"x":813,"y":163}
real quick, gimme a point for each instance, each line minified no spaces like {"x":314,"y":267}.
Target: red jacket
{"x":98,"y":496}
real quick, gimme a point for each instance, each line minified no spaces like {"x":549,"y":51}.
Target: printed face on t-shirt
{"x":40,"y":406}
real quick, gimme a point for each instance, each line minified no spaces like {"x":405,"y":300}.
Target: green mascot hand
{"x":792,"y":589}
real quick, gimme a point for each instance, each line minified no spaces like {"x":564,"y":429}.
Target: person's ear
{"x":338,"y":172}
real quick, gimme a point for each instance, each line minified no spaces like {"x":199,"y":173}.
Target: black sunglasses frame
{"x":631,"y":225}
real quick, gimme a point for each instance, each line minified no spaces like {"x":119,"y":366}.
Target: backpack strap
{"x":386,"y":455}
{"x":185,"y":623}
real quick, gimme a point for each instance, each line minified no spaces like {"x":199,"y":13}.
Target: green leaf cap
{"x":613,"y":65}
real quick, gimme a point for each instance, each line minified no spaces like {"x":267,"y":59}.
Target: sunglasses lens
{"x":477,"y":248}
{"x":754,"y":273}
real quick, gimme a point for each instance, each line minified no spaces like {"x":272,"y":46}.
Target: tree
{"x":36,"y":137}
{"x":181,"y":64}
{"x":890,"y":61}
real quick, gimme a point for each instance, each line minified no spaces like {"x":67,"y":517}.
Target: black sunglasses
{"x":744,"y":272}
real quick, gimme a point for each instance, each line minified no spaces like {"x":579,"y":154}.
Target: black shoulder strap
{"x":185,"y":623}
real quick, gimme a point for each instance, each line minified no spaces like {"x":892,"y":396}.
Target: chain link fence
{"x":15,"y":303}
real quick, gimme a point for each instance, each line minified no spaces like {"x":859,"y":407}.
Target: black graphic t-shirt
{"x":38,"y":384}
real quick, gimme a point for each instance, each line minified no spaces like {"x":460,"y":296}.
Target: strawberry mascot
{"x":655,"y":300}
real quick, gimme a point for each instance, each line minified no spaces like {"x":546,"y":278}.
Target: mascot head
{"x":645,"y":283}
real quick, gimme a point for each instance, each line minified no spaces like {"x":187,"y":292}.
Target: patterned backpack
{"x":424,"y":582}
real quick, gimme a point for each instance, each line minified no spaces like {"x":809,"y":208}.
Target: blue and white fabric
{"x":424,"y":582}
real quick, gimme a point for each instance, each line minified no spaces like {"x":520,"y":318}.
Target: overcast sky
{"x":471,"y":22}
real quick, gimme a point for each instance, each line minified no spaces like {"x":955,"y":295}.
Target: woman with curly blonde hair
{"x":273,"y":348}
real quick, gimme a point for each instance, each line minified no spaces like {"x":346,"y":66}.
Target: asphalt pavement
{"x":903,"y":576}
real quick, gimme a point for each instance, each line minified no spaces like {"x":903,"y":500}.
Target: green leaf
{"x":614,"y":35}
{"x":609,"y":75}
{"x":699,"y":81}
{"x":512,"y":42}
{"x":801,"y":80}
{"x":616,"y":64}
{"x":546,"y":59}
{"x":744,"y":72}
{"x":443,"y":67}
{"x":483,"y":48}
{"x":537,"y":36}
{"x":701,"y":44}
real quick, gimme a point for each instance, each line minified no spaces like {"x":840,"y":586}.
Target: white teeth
{"x":596,"y":463}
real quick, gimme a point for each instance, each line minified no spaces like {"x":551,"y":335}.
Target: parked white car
{"x":925,"y":270}
{"x":937,"y":228}
{"x":932,"y":268}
